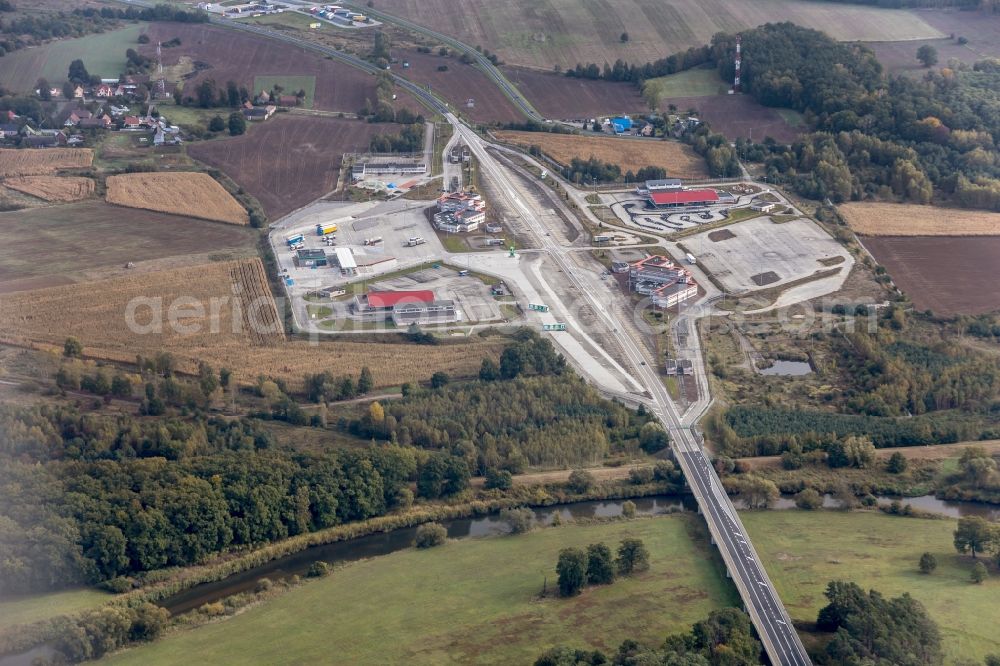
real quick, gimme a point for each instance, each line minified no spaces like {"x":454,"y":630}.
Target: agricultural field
{"x":557,"y":96}
{"x":459,"y":84}
{"x":103,"y":54}
{"x":289,"y":160}
{"x":945,"y":274}
{"x":494,"y":619}
{"x":208,"y":326}
{"x":630,"y":154}
{"x":981,"y":29}
{"x":901,"y":57}
{"x":290,"y":84}
{"x":888,"y":219}
{"x":738,"y":116}
{"x":89,"y":239}
{"x":233,"y":55}
{"x":53,"y":188}
{"x":14,"y":162}
{"x":191,"y":194}
{"x":697,"y":82}
{"x":802,"y":551}
{"x":544,"y":33}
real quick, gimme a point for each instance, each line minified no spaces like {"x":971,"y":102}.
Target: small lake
{"x":787,"y":368}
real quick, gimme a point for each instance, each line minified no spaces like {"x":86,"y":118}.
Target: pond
{"x":787,"y":368}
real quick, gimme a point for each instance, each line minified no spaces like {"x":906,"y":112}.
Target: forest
{"x":876,"y":135}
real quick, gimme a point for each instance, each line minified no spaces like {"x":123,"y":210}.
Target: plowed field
{"x":192,"y":194}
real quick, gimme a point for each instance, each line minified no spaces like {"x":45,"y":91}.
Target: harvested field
{"x":901,"y":57}
{"x":557,"y":96}
{"x":630,"y":154}
{"x":543,"y":33}
{"x":191,"y":194}
{"x":232,"y":54}
{"x":93,"y":237}
{"x":887,"y":219}
{"x":207,"y":326}
{"x":458,"y":84}
{"x":53,"y":188}
{"x":738,"y":116}
{"x":981,"y":28}
{"x":14,"y":162}
{"x":948,"y":275}
{"x":291,"y":159}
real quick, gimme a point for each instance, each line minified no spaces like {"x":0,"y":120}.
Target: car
{"x":642,"y":363}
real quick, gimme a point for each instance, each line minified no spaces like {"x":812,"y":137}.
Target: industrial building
{"x":345,"y":261}
{"x":306,"y":258}
{"x":407,"y":307}
{"x":676,"y":198}
{"x":658,"y":277}
{"x":460,"y":212}
{"x":661,"y":185}
{"x":362,"y":170}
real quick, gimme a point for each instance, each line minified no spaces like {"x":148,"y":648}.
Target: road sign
{"x":553,"y":327}
{"x":538,"y":307}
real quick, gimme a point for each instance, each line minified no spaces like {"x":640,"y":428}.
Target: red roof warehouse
{"x":683,"y":197}
{"x":388,"y":299}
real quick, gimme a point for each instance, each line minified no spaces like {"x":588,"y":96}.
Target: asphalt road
{"x":773,"y":624}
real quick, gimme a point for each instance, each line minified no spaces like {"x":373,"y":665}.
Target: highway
{"x":769,"y":616}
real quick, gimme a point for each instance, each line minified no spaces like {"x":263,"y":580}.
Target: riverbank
{"x":471,"y":601}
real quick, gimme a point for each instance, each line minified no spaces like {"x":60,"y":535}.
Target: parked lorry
{"x":373,"y":241}
{"x":324,"y":229}
{"x":295,"y":239}
{"x":690,"y":258}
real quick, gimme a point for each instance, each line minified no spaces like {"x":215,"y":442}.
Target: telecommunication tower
{"x":738,"y":62}
{"x":160,"y":85}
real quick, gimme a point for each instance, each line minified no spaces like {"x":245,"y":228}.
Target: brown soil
{"x":737,"y":116}
{"x":289,"y":160}
{"x":721,"y":235}
{"x":948,"y":275}
{"x":563,"y":98}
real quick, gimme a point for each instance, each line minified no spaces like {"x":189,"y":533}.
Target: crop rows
{"x":257,"y":309}
{"x":52,"y":188}
{"x":15,"y":162}
{"x":190,"y":193}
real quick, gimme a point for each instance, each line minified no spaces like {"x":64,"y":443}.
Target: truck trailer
{"x":373,"y":241}
{"x":295,"y":239}
{"x":324,"y":229}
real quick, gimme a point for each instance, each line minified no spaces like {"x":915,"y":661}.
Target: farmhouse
{"x":664,"y":282}
{"x":259,"y":112}
{"x":676,"y":198}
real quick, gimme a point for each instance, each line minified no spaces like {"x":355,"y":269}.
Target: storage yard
{"x":630,"y":154}
{"x":758,"y":253}
{"x":191,"y":194}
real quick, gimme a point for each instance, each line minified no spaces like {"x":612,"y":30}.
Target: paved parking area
{"x":760,"y":254}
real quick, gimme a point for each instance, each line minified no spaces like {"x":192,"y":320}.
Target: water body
{"x":787,"y":368}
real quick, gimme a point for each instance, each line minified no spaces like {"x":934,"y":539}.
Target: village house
{"x":259,"y":112}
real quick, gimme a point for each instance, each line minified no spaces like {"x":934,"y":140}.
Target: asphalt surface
{"x":773,"y":624}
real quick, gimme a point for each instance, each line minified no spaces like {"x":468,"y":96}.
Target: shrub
{"x":118,"y":584}
{"x":809,"y":499}
{"x":628,"y":509}
{"x":518,"y":520}
{"x":641,"y":475}
{"x":979,"y":573}
{"x":213,"y":609}
{"x":580,"y":481}
{"x":318,"y":569}
{"x":498,"y":479}
{"x":632,"y":556}
{"x":600,"y":566}
{"x":265,"y":584}
{"x":928,"y":563}
{"x":430,"y":535}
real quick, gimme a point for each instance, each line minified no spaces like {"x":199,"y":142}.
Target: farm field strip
{"x":630,"y":154}
{"x":544,"y":33}
{"x":192,"y":194}
{"x":889,"y":219}
{"x":557,"y":96}
{"x":257,"y":308}
{"x":52,"y":188}
{"x":14,"y":162}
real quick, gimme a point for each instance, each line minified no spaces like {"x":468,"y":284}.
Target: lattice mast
{"x":161,"y":86}
{"x":738,"y":65}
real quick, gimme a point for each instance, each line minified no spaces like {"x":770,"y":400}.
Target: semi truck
{"x":295,"y":239}
{"x":416,"y":240}
{"x":324,"y":229}
{"x":373,"y":241}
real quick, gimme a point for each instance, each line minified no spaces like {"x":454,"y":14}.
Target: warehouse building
{"x":345,"y":261}
{"x":362,"y":170}
{"x":677,"y":198}
{"x":310,"y":258}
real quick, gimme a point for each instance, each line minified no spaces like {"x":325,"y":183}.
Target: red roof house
{"x":389,"y":299}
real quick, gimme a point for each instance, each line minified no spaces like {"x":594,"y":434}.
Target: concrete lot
{"x":759,"y":254}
